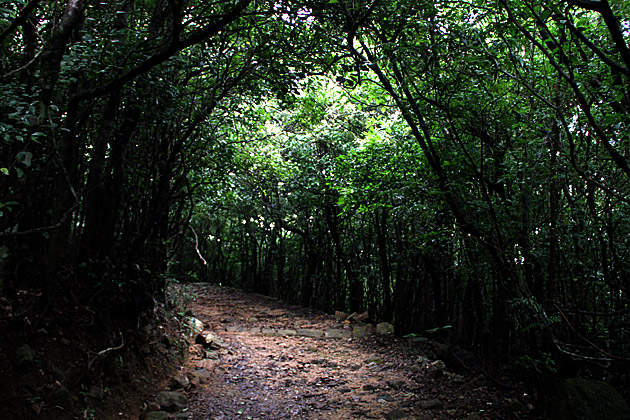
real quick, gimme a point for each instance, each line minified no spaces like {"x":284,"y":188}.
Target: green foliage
{"x":436,"y":163}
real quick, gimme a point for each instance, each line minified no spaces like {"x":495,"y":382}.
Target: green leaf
{"x":4,"y":171}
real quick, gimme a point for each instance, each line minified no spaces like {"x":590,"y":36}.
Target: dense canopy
{"x":459,"y":169}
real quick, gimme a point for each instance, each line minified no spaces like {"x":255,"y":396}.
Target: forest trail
{"x":259,"y":358}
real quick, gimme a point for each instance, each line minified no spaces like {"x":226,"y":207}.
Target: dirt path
{"x":264,"y":360}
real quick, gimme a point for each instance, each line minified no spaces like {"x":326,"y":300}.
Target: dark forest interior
{"x":458,"y":169}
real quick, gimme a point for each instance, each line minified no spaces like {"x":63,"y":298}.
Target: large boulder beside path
{"x":586,"y":399}
{"x":171,"y":400}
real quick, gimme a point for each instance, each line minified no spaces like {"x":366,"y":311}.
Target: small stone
{"x":210,"y":340}
{"x":362,"y":331}
{"x":235,"y":329}
{"x":179,"y":380}
{"x":454,"y":377}
{"x":397,"y":384}
{"x":362,"y":316}
{"x":287,"y":332}
{"x":430,"y":404}
{"x":337,"y":333}
{"x":384,"y":328}
{"x":199,"y":376}
{"x":25,"y":356}
{"x":195,"y":325}
{"x":155,"y":415}
{"x":385,"y":397}
{"x":369,"y":387}
{"x":396,"y":415}
{"x":341,"y":315}
{"x":305,"y":332}
{"x":211,"y":354}
{"x":95,"y":392}
{"x":209,"y":365}
{"x":436,"y":369}
{"x":153,"y":406}
{"x":171,"y":400}
{"x":344,"y":389}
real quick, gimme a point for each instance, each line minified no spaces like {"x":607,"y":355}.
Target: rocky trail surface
{"x":254,"y":357}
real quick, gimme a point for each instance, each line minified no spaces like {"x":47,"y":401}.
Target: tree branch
{"x":19,"y":19}
{"x":159,"y":58}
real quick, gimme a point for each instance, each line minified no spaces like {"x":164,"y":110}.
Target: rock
{"x":430,"y":404}
{"x":171,"y":400}
{"x":397,"y":384}
{"x":344,"y":389}
{"x":341,"y":315}
{"x":235,"y":329}
{"x":25,"y":356}
{"x":209,"y":365}
{"x":210,"y":340}
{"x":305,"y":332}
{"x":361,"y":331}
{"x":395,"y":415}
{"x":385,"y":397}
{"x":436,"y":369}
{"x":268,"y":331}
{"x":455,"y":377}
{"x":195,"y":325}
{"x":153,"y":406}
{"x":369,"y":387}
{"x":211,"y":355}
{"x":179,"y":380}
{"x":287,"y":332}
{"x":585,"y":399}
{"x":95,"y":392}
{"x":337,"y":333}
{"x":155,"y":415}
{"x":362,"y":316}
{"x":384,"y":328}
{"x":199,"y":376}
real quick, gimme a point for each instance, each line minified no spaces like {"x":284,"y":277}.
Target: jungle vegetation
{"x":459,"y":169}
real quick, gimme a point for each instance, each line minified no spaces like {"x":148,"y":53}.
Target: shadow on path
{"x":258,"y":358}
